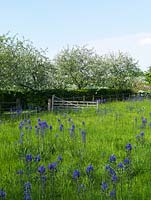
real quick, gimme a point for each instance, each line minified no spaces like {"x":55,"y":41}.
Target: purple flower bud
{"x":61,"y":127}
{"x":41,"y":169}
{"x":83,"y":136}
{"x":104,"y":186}
{"x":113,"y":194}
{"x":128,"y":147}
{"x":142,"y":134}
{"x":114,"y":178}
{"x":76,"y":174}
{"x":89,"y":169}
{"x":28,"y":157}
{"x":28,"y":121}
{"x":20,"y":172}
{"x":27,"y":185}
{"x":37,"y":158}
{"x":52,"y":166}
{"x":120,"y":165}
{"x":60,"y":158}
{"x":2,"y":194}
{"x":112,"y":158}
{"x":126,"y":161}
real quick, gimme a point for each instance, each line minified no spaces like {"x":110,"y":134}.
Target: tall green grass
{"x":108,"y":130}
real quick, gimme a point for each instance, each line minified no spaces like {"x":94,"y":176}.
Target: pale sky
{"x":105,"y":25}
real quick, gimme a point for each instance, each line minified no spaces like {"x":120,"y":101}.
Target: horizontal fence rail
{"x":58,"y":103}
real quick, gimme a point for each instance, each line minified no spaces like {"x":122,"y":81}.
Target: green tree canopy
{"x":76,"y":67}
{"x":83,"y":68}
{"x":22,"y":66}
{"x":121,"y":70}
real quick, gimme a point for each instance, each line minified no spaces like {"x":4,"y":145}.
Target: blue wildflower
{"x":142,"y":134}
{"x":113,"y":194}
{"x":52,"y":166}
{"x":41,"y":169}
{"x":126,"y":161}
{"x":43,"y":125}
{"x":20,"y":172}
{"x":28,"y":121}
{"x":28,"y":157}
{"x":27,"y":185}
{"x":60,"y":158}
{"x":114,"y":178}
{"x":112,"y":171}
{"x":21,"y":125}
{"x":89,"y":169}
{"x":27,"y":196}
{"x":128,"y":147}
{"x":104,"y":186}
{"x":120,"y":165}
{"x":61,"y":127}
{"x":144,"y":120}
{"x":76,"y":174}
{"x":112,"y":158}
{"x":83,"y":136}
{"x":50,"y":127}
{"x":37,"y":158}
{"x":2,"y":194}
{"x":73,"y":127}
{"x":107,"y":167}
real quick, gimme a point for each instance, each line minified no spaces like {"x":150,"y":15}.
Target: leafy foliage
{"x":82,"y":68}
{"x":22,"y":66}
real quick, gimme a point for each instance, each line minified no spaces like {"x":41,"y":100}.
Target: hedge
{"x":40,"y":98}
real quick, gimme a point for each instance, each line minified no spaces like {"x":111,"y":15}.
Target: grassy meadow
{"x":89,"y":154}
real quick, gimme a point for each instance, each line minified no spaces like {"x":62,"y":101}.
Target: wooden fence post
{"x":97,"y":104}
{"x":18,"y":103}
{"x":52,"y":103}
{"x":49,"y":104}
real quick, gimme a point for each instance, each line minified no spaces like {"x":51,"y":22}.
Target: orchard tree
{"x":148,"y":75}
{"x":76,"y":67}
{"x":22,"y":66}
{"x":80,"y":67}
{"x":122,"y":71}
